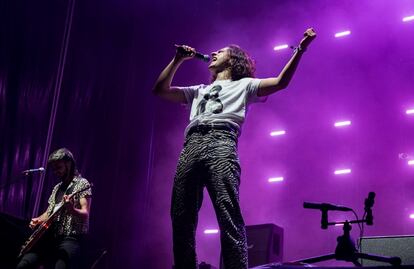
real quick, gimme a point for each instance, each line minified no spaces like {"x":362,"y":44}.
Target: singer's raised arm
{"x":271,"y":85}
{"x":163,"y":87}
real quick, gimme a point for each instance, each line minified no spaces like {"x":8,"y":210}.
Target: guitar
{"x":42,"y":228}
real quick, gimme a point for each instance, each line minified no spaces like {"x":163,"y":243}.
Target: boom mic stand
{"x":345,"y":249}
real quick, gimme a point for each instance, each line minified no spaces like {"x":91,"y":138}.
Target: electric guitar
{"x":42,"y":228}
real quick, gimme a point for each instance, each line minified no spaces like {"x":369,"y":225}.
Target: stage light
{"x":342,"y":171}
{"x":409,"y":18}
{"x":211,"y":231}
{"x":409,"y":111}
{"x":281,"y":47}
{"x":344,"y":33}
{"x":277,"y":133}
{"x":411,"y":162}
{"x":275,"y":179}
{"x":412,"y":216}
{"x":342,"y":123}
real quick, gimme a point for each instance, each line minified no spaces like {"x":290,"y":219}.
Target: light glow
{"x":275,"y":179}
{"x":342,"y":171}
{"x":342,"y":123}
{"x":409,"y":111}
{"x":412,"y":216}
{"x":409,"y":18}
{"x":344,"y":33}
{"x":411,"y":162}
{"x":211,"y":231}
{"x":281,"y":47}
{"x":277,"y":133}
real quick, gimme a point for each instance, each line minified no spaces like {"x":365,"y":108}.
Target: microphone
{"x":203,"y":57}
{"x":35,"y":170}
{"x":326,"y":206}
{"x":369,"y":203}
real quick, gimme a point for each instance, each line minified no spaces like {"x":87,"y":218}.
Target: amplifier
{"x":397,"y":245}
{"x":264,"y":243}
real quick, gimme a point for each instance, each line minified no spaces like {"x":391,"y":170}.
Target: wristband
{"x":299,"y":48}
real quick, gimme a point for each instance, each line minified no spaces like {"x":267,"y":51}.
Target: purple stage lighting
{"x":342,"y":123}
{"x":409,"y":111}
{"x":281,"y":47}
{"x":408,"y":18}
{"x":277,"y":133}
{"x":211,"y":231}
{"x":275,"y":179}
{"x":344,"y":33}
{"x":411,"y":162}
{"x":412,"y":216}
{"x":342,"y":171}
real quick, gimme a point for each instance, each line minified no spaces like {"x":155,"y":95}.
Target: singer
{"x":209,"y":157}
{"x":63,"y":240}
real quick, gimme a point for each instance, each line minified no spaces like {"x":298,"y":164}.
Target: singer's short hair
{"x":63,"y":154}
{"x":241,"y":64}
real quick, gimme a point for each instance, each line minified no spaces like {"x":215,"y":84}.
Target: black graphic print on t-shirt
{"x":211,"y":102}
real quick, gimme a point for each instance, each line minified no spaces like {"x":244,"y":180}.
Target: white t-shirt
{"x":223,"y":101}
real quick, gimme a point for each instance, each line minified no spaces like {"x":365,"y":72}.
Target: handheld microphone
{"x":35,"y":170}
{"x":326,"y":206}
{"x":203,"y":57}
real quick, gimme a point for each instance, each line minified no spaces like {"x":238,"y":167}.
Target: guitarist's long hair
{"x":63,"y":154}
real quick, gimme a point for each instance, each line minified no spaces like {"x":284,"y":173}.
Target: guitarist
{"x":63,"y":239}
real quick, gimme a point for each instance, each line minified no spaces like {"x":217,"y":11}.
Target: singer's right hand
{"x":184,"y":52}
{"x":34,"y":222}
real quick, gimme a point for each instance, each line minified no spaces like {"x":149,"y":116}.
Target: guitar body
{"x":37,"y":235}
{"x":44,"y":227}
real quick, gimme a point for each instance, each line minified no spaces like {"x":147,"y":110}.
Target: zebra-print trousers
{"x":209,"y":159}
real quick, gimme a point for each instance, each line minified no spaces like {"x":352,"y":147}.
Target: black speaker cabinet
{"x":401,"y":246}
{"x":264,"y":243}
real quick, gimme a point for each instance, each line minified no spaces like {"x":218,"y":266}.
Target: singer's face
{"x":219,"y":60}
{"x":61,"y":169}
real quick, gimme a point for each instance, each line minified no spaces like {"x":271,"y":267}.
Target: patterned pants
{"x":209,"y":159}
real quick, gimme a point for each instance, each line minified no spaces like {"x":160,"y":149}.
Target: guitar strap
{"x":68,"y":191}
{"x":70,"y":188}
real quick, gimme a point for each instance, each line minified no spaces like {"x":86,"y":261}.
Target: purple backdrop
{"x":127,"y":141}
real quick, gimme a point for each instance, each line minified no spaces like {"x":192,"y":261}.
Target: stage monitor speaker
{"x":264,"y":243}
{"x":401,"y":246}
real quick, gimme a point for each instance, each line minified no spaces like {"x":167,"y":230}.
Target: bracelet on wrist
{"x":299,"y":48}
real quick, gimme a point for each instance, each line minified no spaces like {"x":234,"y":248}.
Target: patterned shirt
{"x":68,"y":224}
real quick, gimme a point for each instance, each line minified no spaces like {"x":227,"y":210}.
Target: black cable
{"x":361,"y":228}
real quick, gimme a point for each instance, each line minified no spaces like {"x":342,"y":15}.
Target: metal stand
{"x":346,"y":251}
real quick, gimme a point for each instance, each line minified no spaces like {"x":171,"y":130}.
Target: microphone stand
{"x":16,"y":179}
{"x":345,"y":249}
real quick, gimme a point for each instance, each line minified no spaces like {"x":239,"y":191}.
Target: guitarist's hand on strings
{"x":69,"y":204}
